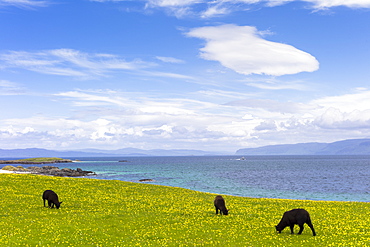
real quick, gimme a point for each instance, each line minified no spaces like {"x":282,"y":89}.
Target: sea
{"x":329,"y":178}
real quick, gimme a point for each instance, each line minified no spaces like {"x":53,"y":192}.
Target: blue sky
{"x":183,"y":74}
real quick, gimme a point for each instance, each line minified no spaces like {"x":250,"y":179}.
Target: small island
{"x":44,"y":170}
{"x":35,"y":161}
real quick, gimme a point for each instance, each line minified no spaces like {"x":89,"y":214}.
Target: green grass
{"x":117,"y":213}
{"x":35,"y":160}
{"x":42,"y":159}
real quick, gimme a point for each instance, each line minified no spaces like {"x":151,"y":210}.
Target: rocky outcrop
{"x":51,"y":170}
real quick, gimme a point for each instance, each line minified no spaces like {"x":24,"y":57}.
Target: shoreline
{"x":6,"y":171}
{"x":47,"y":170}
{"x":139,"y":182}
{"x":35,"y":161}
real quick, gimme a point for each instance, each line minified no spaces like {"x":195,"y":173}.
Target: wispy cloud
{"x":275,"y":84}
{"x":170,"y":60}
{"x":242,"y":49}
{"x":69,"y":62}
{"x":322,"y":4}
{"x":214,"y":8}
{"x":10,"y":88}
{"x":24,"y":3}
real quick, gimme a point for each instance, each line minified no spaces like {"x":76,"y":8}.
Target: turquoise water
{"x":339,"y":178}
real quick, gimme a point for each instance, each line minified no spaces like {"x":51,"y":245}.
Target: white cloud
{"x":23,"y":3}
{"x":274,"y":84}
{"x":112,"y":119}
{"x":266,"y":126}
{"x":69,"y":62}
{"x":322,"y":4}
{"x":273,"y":105}
{"x":243,"y":50}
{"x":10,"y":88}
{"x":359,"y":100}
{"x":334,"y":118}
{"x":215,"y":11}
{"x":173,"y":3}
{"x":170,"y":59}
{"x":214,"y":8}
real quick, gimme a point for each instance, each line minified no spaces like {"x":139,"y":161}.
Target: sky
{"x":216,"y":75}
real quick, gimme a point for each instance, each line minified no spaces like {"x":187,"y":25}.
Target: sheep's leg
{"x":301,"y":227}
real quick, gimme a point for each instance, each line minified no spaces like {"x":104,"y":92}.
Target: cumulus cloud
{"x":348,"y":111}
{"x":266,"y":126}
{"x":69,"y":62}
{"x":111,"y":119}
{"x":242,"y":49}
{"x":334,"y":118}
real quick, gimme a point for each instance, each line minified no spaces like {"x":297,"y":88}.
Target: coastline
{"x":35,"y":161}
{"x":196,"y":173}
{"x":6,"y":171}
{"x":48,"y":170}
{"x":194,"y":190}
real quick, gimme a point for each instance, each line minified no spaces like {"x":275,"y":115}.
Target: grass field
{"x":116,"y":213}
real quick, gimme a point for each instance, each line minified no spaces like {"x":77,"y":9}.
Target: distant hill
{"x":346,"y":147}
{"x":39,"y":152}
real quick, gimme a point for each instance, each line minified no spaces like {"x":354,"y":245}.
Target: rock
{"x":50,"y":170}
{"x":55,"y":171}
{"x":146,"y":180}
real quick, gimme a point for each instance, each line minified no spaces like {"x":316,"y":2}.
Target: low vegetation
{"x":42,"y":160}
{"x":116,"y":213}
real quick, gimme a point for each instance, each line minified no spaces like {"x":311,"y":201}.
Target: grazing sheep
{"x":52,"y":198}
{"x":295,"y":217}
{"x":220,"y":205}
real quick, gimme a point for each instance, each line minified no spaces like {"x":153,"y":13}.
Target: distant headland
{"x":44,"y":170}
{"x":34,"y":161}
{"x":344,"y":147}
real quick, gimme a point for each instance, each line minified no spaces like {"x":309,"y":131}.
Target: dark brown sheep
{"x":295,"y":217}
{"x":52,"y":198}
{"x":220,"y":205}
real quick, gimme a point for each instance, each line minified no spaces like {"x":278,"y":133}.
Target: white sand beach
{"x":6,"y":171}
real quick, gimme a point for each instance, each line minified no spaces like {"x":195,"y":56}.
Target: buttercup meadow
{"x":117,"y":213}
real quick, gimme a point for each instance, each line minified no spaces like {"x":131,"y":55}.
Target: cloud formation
{"x":108,"y":118}
{"x":10,"y":88}
{"x":170,"y":59}
{"x":212,"y":8}
{"x":24,"y":3}
{"x":69,"y":62}
{"x":242,"y":49}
